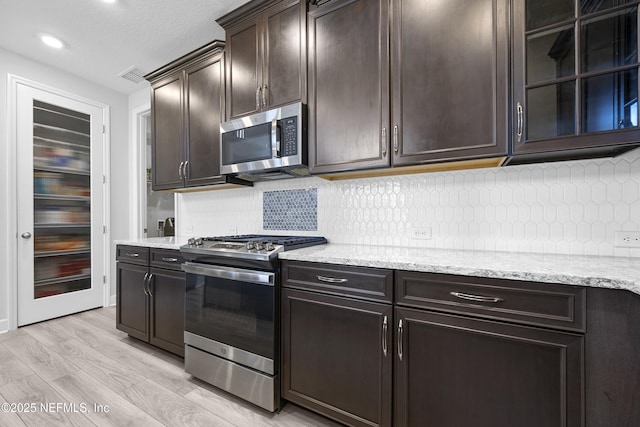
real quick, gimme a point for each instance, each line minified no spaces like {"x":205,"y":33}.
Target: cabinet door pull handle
{"x":384,"y":142}
{"x":180,"y":170}
{"x":258,"y":97}
{"x":149,"y":285}
{"x":332,"y":279}
{"x":520,"y":124}
{"x":144,"y":284}
{"x":185,"y":170}
{"x":400,"y":331}
{"x":264,"y":95}
{"x":384,"y":336}
{"x":396,"y":147}
{"x":170,"y":259}
{"x":132,"y":254}
{"x":477,"y":298}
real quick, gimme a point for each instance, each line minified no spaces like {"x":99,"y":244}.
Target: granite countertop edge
{"x":590,"y":271}
{"x":169,"y":242}
{"x":579,"y":270}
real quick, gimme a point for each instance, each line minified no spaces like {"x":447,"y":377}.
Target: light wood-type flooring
{"x":80,"y":370}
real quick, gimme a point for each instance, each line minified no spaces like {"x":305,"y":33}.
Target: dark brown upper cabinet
{"x":575,"y":79}
{"x":187,"y":106}
{"x":411,"y":90}
{"x":266,"y":55}
{"x":449,"y":72}
{"x":348,"y":85}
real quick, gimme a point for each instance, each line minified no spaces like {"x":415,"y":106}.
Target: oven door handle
{"x":235,"y":274}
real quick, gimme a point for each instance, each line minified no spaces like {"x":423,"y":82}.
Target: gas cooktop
{"x":249,"y":246}
{"x":289,"y":242}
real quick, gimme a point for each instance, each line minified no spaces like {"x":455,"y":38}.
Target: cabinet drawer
{"x":533,"y":303}
{"x":132,"y":254}
{"x":166,"y":258}
{"x":367,"y":283}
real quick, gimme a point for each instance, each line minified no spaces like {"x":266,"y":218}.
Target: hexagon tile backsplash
{"x":562,"y":207}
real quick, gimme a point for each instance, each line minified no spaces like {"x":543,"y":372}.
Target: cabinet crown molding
{"x":212,"y":48}
{"x":245,"y":11}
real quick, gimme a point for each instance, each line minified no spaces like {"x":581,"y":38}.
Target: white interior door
{"x":60,"y":205}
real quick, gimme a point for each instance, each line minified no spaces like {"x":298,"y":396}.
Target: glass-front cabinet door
{"x":575,"y":74}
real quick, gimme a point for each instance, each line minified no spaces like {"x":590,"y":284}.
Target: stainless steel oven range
{"x":231,"y":313}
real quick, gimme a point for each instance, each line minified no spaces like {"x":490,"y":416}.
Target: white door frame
{"x":138,"y":167}
{"x":12,"y":227}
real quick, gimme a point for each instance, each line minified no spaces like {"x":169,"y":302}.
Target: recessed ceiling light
{"x":52,"y":41}
{"x":109,"y":1}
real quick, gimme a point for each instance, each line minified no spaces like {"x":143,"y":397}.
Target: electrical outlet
{"x":421,"y":233}
{"x":627,"y":239}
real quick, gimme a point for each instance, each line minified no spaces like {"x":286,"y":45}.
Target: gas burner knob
{"x":259,"y":246}
{"x":269,"y":246}
{"x":198,"y":241}
{"x":191,"y":241}
{"x":250,"y":245}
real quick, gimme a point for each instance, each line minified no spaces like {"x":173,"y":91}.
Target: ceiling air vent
{"x":133,"y":74}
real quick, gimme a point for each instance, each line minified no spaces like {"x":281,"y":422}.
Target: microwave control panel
{"x":289,"y":137}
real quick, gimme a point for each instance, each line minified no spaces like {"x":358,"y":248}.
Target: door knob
{"x":26,"y":235}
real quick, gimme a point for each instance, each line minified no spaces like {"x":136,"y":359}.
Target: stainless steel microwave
{"x":266,"y":145}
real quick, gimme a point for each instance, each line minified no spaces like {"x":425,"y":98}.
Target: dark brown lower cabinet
{"x":612,"y":358}
{"x":166,"y":314}
{"x":132,"y":307}
{"x":337,"y":356}
{"x":453,"y":371}
{"x":465,"y":351}
{"x":150,"y":300}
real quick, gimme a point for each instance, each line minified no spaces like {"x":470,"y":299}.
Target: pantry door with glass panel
{"x":60,"y":241}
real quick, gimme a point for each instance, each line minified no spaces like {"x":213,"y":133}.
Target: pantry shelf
{"x":48,"y":254}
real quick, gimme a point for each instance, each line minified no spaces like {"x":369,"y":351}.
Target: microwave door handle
{"x":275,"y":139}
{"x":279,"y":141}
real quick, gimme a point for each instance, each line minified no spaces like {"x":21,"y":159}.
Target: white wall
{"x":563,"y":207}
{"x":11,"y":63}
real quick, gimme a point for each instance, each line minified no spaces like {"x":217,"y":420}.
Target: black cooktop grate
{"x":289,"y":242}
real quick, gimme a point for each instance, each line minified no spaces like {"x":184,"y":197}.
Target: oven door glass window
{"x":236,"y":313}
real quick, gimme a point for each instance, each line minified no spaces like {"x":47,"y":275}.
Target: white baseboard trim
{"x":112,"y":302}
{"x":4,"y":326}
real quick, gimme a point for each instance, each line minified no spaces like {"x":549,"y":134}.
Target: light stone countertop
{"x":593,"y":271}
{"x":173,"y":242}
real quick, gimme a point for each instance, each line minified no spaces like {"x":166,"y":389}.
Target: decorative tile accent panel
{"x":290,"y":210}
{"x":561,"y":207}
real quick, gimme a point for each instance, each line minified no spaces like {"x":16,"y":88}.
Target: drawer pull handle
{"x":477,"y":298}
{"x":132,"y":255}
{"x":384,"y":336}
{"x":170,"y":259}
{"x":332,"y":279}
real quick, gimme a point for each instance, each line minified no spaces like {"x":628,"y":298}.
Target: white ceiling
{"x":103,"y":39}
